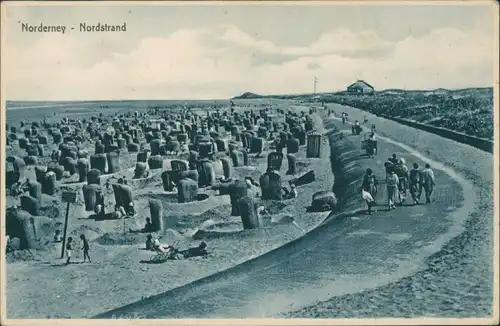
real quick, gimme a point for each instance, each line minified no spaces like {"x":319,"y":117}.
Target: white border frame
{"x":372,"y":321}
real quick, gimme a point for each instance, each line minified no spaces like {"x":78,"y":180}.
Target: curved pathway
{"x":347,"y":254}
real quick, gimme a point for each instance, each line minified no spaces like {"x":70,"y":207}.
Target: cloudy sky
{"x":218,"y":51}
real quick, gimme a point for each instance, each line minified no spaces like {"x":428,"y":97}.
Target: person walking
{"x":389,"y":166}
{"x":402,"y":173}
{"x":367,"y":197}
{"x":130,"y":211}
{"x":428,"y":182}
{"x":392,"y":182}
{"x":370,"y":183}
{"x":394,"y":159}
{"x":373,"y":142}
{"x":415,"y":184}
{"x":69,"y":248}
{"x":85,"y":248}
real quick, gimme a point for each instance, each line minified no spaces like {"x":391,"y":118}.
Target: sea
{"x":17,"y":111}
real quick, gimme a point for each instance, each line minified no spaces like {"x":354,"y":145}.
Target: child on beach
{"x":57,"y":236}
{"x":150,"y":243}
{"x":85,"y":248}
{"x":392,"y":182}
{"x":160,"y":247}
{"x":69,"y":248}
{"x":369,"y":189}
{"x":368,"y":199}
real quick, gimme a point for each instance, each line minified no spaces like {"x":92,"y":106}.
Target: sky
{"x":216,"y":51}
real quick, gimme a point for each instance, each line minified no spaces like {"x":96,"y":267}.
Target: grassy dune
{"x":467,"y":110}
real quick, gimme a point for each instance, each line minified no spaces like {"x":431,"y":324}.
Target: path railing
{"x":477,"y":142}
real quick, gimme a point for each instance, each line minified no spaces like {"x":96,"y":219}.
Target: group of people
{"x":153,"y":244}
{"x":69,"y":247}
{"x":119,"y":211}
{"x":399,"y":181}
{"x":19,"y":188}
{"x":287,"y":193}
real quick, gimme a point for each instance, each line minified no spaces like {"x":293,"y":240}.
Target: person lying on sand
{"x":160,"y":247}
{"x":99,"y":207}
{"x":195,"y":251}
{"x":69,"y":248}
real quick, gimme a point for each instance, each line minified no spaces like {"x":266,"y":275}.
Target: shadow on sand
{"x":71,"y":263}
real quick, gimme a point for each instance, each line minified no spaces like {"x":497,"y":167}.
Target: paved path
{"x":345,"y":255}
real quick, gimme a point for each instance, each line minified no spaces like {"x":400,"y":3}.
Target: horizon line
{"x":263,"y":95}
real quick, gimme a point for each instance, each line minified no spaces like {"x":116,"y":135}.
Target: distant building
{"x":360,"y":86}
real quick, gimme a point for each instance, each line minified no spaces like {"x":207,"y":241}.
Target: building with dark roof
{"x":360,"y":87}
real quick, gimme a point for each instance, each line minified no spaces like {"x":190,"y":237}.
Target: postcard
{"x":250,"y":163}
